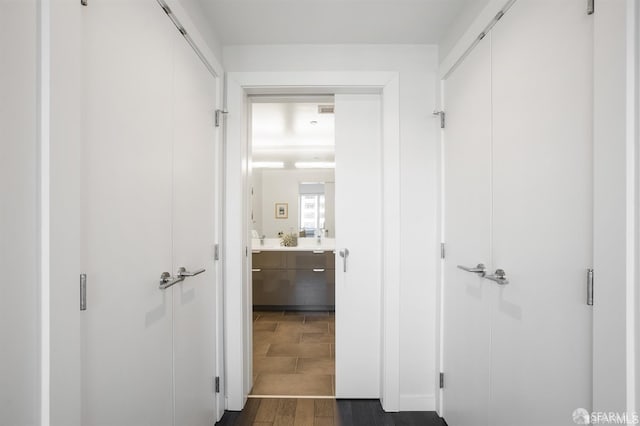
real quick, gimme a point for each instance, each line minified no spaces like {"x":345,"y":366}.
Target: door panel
{"x":19,"y":248}
{"x":358,"y":221}
{"x":148,"y":354}
{"x":193,"y":236}
{"x":537,"y":186}
{"x":467,"y":297}
{"x":127,"y":343}
{"x":542,"y":158}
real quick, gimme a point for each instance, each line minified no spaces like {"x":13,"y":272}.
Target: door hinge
{"x":216,"y":384}
{"x":590,"y":287}
{"x":441,"y":380}
{"x":218,"y":116}
{"x":83,"y":292}
{"x":216,"y":252}
{"x":591,"y":7}
{"x":442,"y":251}
{"x":441,"y":114}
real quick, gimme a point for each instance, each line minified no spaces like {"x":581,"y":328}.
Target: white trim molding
{"x":237,"y":290}
{"x":418,"y":403}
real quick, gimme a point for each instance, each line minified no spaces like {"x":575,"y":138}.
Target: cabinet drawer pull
{"x":256,"y":270}
{"x":318,"y":252}
{"x":318,"y":270}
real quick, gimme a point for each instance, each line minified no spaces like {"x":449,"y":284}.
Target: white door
{"x":127,"y":327}
{"x":19,"y":239}
{"x":358,"y":206}
{"x":542,"y":207}
{"x":467,"y":296}
{"x":520,"y":354}
{"x":148,"y":354}
{"x":193,"y":239}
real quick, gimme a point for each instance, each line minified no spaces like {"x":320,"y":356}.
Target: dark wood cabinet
{"x":293,"y":280}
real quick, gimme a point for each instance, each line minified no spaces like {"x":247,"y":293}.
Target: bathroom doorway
{"x":292,"y":222}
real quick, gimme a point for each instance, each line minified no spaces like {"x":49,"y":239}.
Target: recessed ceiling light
{"x":313,"y":122}
{"x":315,"y":165}
{"x":268,"y":165}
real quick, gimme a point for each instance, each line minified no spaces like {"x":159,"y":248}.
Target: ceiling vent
{"x":326,"y":109}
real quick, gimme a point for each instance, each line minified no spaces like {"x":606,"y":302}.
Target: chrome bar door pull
{"x":499,"y":277}
{"x":480,"y":269}
{"x":83,"y":292}
{"x":344,"y":254}
{"x":590,"y":287}
{"x":182,"y":272}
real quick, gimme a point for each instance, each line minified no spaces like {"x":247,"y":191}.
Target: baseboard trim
{"x":417,"y":403}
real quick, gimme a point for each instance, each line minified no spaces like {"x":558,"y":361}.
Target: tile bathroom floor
{"x":293,"y":354}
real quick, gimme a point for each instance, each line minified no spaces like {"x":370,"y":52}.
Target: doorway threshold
{"x":291,"y":396}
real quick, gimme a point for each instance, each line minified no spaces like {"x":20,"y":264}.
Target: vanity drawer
{"x":273,"y":287}
{"x":269,"y":259}
{"x":316,"y":288}
{"x":319,"y":259}
{"x":293,"y":287}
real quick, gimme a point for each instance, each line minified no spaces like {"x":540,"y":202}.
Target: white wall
{"x":417,"y":65}
{"x":460,"y":25}
{"x":281,"y":186}
{"x":197,"y":14}
{"x":19,"y":306}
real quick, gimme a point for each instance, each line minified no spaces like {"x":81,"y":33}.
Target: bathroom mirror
{"x":292,"y":167}
{"x":309,"y":198}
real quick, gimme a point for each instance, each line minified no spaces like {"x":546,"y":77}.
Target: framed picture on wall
{"x":282,"y":210}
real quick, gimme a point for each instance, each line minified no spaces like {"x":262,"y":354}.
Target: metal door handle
{"x":166,"y":280}
{"x":500,"y":277}
{"x":182,"y":272}
{"x":479,"y":269}
{"x":344,"y":254}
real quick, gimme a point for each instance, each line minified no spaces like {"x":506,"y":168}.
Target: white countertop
{"x":304,"y":244}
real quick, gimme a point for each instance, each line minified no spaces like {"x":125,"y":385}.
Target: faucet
{"x":319,"y":237}
{"x":262,"y":240}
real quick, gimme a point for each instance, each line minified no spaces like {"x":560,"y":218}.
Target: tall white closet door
{"x":193,"y":237}
{"x":126,"y":329}
{"x":19,"y":304}
{"x":358,"y":204}
{"x":467,"y":297}
{"x":542,"y":221}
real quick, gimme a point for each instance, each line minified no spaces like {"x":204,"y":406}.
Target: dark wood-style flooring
{"x":323,"y":412}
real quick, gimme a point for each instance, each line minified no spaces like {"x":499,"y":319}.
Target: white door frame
{"x":238,"y":306}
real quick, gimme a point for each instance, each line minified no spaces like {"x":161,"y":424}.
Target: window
{"x":311,"y":208}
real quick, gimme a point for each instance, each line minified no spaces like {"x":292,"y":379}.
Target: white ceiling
{"x":284,"y":131}
{"x":239,"y":22}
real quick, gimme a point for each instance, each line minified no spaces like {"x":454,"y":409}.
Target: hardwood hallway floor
{"x":323,"y":412}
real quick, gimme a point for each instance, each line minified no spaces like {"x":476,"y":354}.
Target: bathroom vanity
{"x":298,"y":278}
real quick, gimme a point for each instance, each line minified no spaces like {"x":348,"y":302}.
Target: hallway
{"x":324,"y":412}
{"x":484,"y":165}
